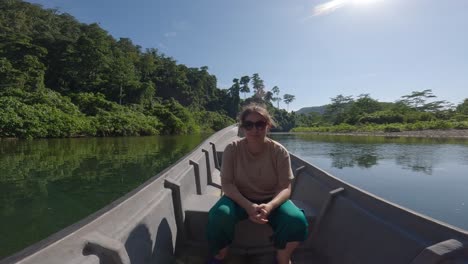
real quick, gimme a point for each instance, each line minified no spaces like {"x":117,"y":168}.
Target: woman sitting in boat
{"x":256,"y":180}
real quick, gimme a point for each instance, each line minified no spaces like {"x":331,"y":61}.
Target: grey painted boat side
{"x":146,"y":225}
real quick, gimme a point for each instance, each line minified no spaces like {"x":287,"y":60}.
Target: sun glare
{"x":365,"y":2}
{"x":333,"y":5}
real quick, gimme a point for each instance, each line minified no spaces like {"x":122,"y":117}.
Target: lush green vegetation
{"x":412,"y":112}
{"x":63,"y":78}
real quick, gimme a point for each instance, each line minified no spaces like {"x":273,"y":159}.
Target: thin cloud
{"x":180,"y":25}
{"x":162,"y":46}
{"x":171,"y":34}
{"x":328,"y":7}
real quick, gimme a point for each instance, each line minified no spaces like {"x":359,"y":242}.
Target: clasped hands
{"x":258,"y":213}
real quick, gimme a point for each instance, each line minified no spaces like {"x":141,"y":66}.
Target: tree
{"x":276,"y":92}
{"x":258,"y":86}
{"x":147,"y":65}
{"x":336,"y":112}
{"x":416,"y":100}
{"x":124,"y":79}
{"x":363,"y":105}
{"x":288,"y":98}
{"x":462,"y":108}
{"x":244,"y":82}
{"x":22,"y":59}
{"x":233,"y":93}
{"x":268,"y":96}
{"x":9,"y":76}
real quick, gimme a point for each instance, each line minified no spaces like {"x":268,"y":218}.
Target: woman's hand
{"x":256,"y":214}
{"x":265,"y":210}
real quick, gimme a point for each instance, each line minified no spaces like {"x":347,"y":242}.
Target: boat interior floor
{"x":300,"y":256}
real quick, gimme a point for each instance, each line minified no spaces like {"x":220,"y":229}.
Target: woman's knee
{"x":300,"y":222}
{"x":223,"y":211}
{"x":294,"y":221}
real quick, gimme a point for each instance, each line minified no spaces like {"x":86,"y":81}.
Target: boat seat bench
{"x":249,"y":238}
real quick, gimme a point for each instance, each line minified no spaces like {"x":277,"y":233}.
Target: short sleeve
{"x":285,"y":173}
{"x":227,"y":166}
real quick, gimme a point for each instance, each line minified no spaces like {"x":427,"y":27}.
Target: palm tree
{"x":276,"y":91}
{"x":288,"y":98}
{"x":244,"y":81}
{"x":268,"y":96}
{"x":258,"y":86}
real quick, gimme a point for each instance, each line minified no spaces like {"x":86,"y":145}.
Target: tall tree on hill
{"x":336,"y":112}
{"x":363,"y":105}
{"x":244,"y":82}
{"x":268,"y":96}
{"x":147,"y":64}
{"x":277,"y":98}
{"x":463,"y":107}
{"x":288,"y":98}
{"x":418,"y":101}
{"x":235,"y":99}
{"x":258,"y":86}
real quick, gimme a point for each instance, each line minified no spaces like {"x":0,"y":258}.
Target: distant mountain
{"x":317,"y":109}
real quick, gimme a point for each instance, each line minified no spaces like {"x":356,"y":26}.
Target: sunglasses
{"x":248,"y":125}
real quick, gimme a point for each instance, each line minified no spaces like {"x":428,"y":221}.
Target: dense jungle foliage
{"x":412,"y":112}
{"x":63,"y":78}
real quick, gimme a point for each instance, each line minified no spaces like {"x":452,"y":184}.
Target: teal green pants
{"x":287,"y":221}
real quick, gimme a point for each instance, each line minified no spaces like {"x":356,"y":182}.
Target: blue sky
{"x":312,"y":49}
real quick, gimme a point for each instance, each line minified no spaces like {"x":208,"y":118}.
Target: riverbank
{"x":429,"y":133}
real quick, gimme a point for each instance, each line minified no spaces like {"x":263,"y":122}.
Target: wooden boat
{"x":164,"y":221}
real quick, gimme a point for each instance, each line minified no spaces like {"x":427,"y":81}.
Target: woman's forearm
{"x":281,"y":197}
{"x":231,"y":191}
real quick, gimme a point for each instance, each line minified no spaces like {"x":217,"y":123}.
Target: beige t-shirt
{"x":257,"y":177}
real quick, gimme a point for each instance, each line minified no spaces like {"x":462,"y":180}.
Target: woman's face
{"x":255,"y":126}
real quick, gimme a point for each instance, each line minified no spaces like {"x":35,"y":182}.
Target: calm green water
{"x":429,"y":176}
{"x":46,"y":185}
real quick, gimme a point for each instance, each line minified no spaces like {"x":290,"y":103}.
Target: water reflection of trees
{"x":29,"y":166}
{"x":342,"y":156}
{"x":416,"y":154}
{"x":416,"y":158}
{"x":46,"y":185}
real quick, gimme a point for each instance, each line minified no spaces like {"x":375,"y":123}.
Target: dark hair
{"x":256,"y":108}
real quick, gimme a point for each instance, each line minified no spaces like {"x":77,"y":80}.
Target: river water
{"x":48,"y":184}
{"x":429,"y":176}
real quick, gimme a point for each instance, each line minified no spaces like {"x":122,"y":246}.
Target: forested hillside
{"x":312,"y":109}
{"x":60,"y":77}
